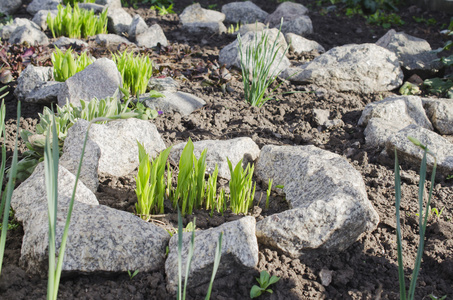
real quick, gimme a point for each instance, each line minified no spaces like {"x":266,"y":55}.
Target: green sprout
{"x":65,"y":65}
{"x":268,"y":192}
{"x":265,"y":280}
{"x":242,"y":189}
{"x":132,"y":275}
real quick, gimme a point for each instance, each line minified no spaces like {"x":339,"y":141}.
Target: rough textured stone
{"x":9,"y":7}
{"x":180,"y":102}
{"x":163,"y":84}
{"x":299,"y":44}
{"x":364,"y":68}
{"x":109,"y":3}
{"x":119,"y":20}
{"x":330,"y":208}
{"x":40,"y":18}
{"x":30,"y":196}
{"x":31,"y":78}
{"x":412,"y":52}
{"x":111,"y":40}
{"x":400,"y":110}
{"x":37,"y":5}
{"x":72,"y":150}
{"x":101,"y":79}
{"x":28,"y":34}
{"x":251,"y":27}
{"x":231,"y":56}
{"x":379,"y":130}
{"x":67,"y":42}
{"x":92,"y":6}
{"x":138,"y":26}
{"x":440,"y":112}
{"x":151,"y":37}
{"x":321,"y":117}
{"x":244,"y":12}
{"x":239,"y":252}
{"x":114,"y":137}
{"x":408,"y":152}
{"x":218,"y":151}
{"x":45,"y":93}
{"x":7,"y":30}
{"x":294,"y":17}
{"x":196,"y":19}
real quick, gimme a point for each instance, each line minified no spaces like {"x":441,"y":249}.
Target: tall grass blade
{"x":398,"y":229}
{"x":218,"y":254}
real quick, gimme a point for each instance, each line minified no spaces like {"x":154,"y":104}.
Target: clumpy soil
{"x":366,"y":270}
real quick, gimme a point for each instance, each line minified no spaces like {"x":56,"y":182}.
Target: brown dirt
{"x":366,"y":270}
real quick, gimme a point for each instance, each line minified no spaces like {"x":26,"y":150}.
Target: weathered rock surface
{"x":9,"y":7}
{"x":40,"y":18}
{"x":101,"y":79}
{"x":408,"y":152}
{"x":196,"y":19}
{"x":440,"y":112}
{"x":180,"y":102}
{"x":44,"y":93}
{"x":299,"y":44}
{"x":163,"y":84}
{"x":66,"y":42}
{"x":37,"y":5}
{"x":413,"y":53}
{"x":109,"y":3}
{"x":245,"y":12}
{"x":111,"y":40}
{"x":231,"y":56}
{"x":251,"y":27}
{"x":97,"y":8}
{"x":218,"y":151}
{"x":114,"y":137}
{"x":364,"y":68}
{"x":28,"y":34}
{"x":239,"y":251}
{"x":31,"y":78}
{"x":7,"y":30}
{"x":294,"y":17}
{"x":119,"y":20}
{"x":153,"y":36}
{"x":330,"y":208}
{"x":138,"y":26}
{"x":379,"y":130}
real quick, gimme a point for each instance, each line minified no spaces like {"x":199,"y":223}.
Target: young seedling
{"x":242,"y":189}
{"x":132,"y":275}
{"x":268,"y":192}
{"x":65,"y":65}
{"x":265,"y":280}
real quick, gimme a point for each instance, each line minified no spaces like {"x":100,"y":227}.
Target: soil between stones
{"x":366,"y":270}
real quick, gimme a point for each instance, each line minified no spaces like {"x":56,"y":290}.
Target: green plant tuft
{"x":265,"y":280}
{"x":65,"y":65}
{"x":242,"y":189}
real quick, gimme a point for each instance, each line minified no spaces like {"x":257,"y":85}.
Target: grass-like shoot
{"x":242,"y":188}
{"x":67,"y":64}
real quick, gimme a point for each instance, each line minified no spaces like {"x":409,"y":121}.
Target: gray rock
{"x":251,"y":27}
{"x":196,"y":19}
{"x":97,"y":8}
{"x":45,"y":93}
{"x":299,"y":44}
{"x":245,"y":12}
{"x":440,"y":112}
{"x":231,"y":56}
{"x":364,"y":68}
{"x":330,"y":208}
{"x":7,"y":30}
{"x":321,"y":117}
{"x":31,"y":78}
{"x":119,"y":20}
{"x":28,"y":34}
{"x":151,"y":37}
{"x":288,"y":11}
{"x":294,"y":17}
{"x":218,"y":151}
{"x":163,"y":84}
{"x":379,"y":130}
{"x":408,"y":152}
{"x":40,"y":18}
{"x":413,"y":53}
{"x":72,"y":150}
{"x":400,"y":110}
{"x":111,"y":40}
{"x":101,"y":79}
{"x":180,"y":102}
{"x":138,"y":26}
{"x":30,"y":196}
{"x":9,"y":7}
{"x":67,"y":42}
{"x":239,"y":252}
{"x":114,"y":137}
{"x":37,"y":5}
{"x":109,"y":3}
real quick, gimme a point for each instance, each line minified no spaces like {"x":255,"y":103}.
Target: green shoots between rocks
{"x":65,"y":65}
{"x":242,"y":189}
{"x":423,"y":219}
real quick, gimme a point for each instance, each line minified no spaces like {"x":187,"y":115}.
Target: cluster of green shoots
{"x":422,"y":221}
{"x":74,"y":2}
{"x":67,"y":116}
{"x":258,"y":70}
{"x":135,"y":71}
{"x":192,"y":191}
{"x":76,"y":22}
{"x":67,"y":64}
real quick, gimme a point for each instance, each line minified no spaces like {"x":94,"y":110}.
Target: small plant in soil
{"x":76,"y":22}
{"x":423,"y":219}
{"x":163,"y":10}
{"x":257,"y":60}
{"x":242,"y":189}
{"x":265,"y":280}
{"x":132,"y":275}
{"x":135,"y":71}
{"x":65,"y":65}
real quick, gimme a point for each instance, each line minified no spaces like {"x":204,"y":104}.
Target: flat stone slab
{"x":239,"y":251}
{"x":183,"y":103}
{"x":330,"y":208}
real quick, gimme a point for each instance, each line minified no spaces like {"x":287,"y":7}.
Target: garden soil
{"x":365,"y":270}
